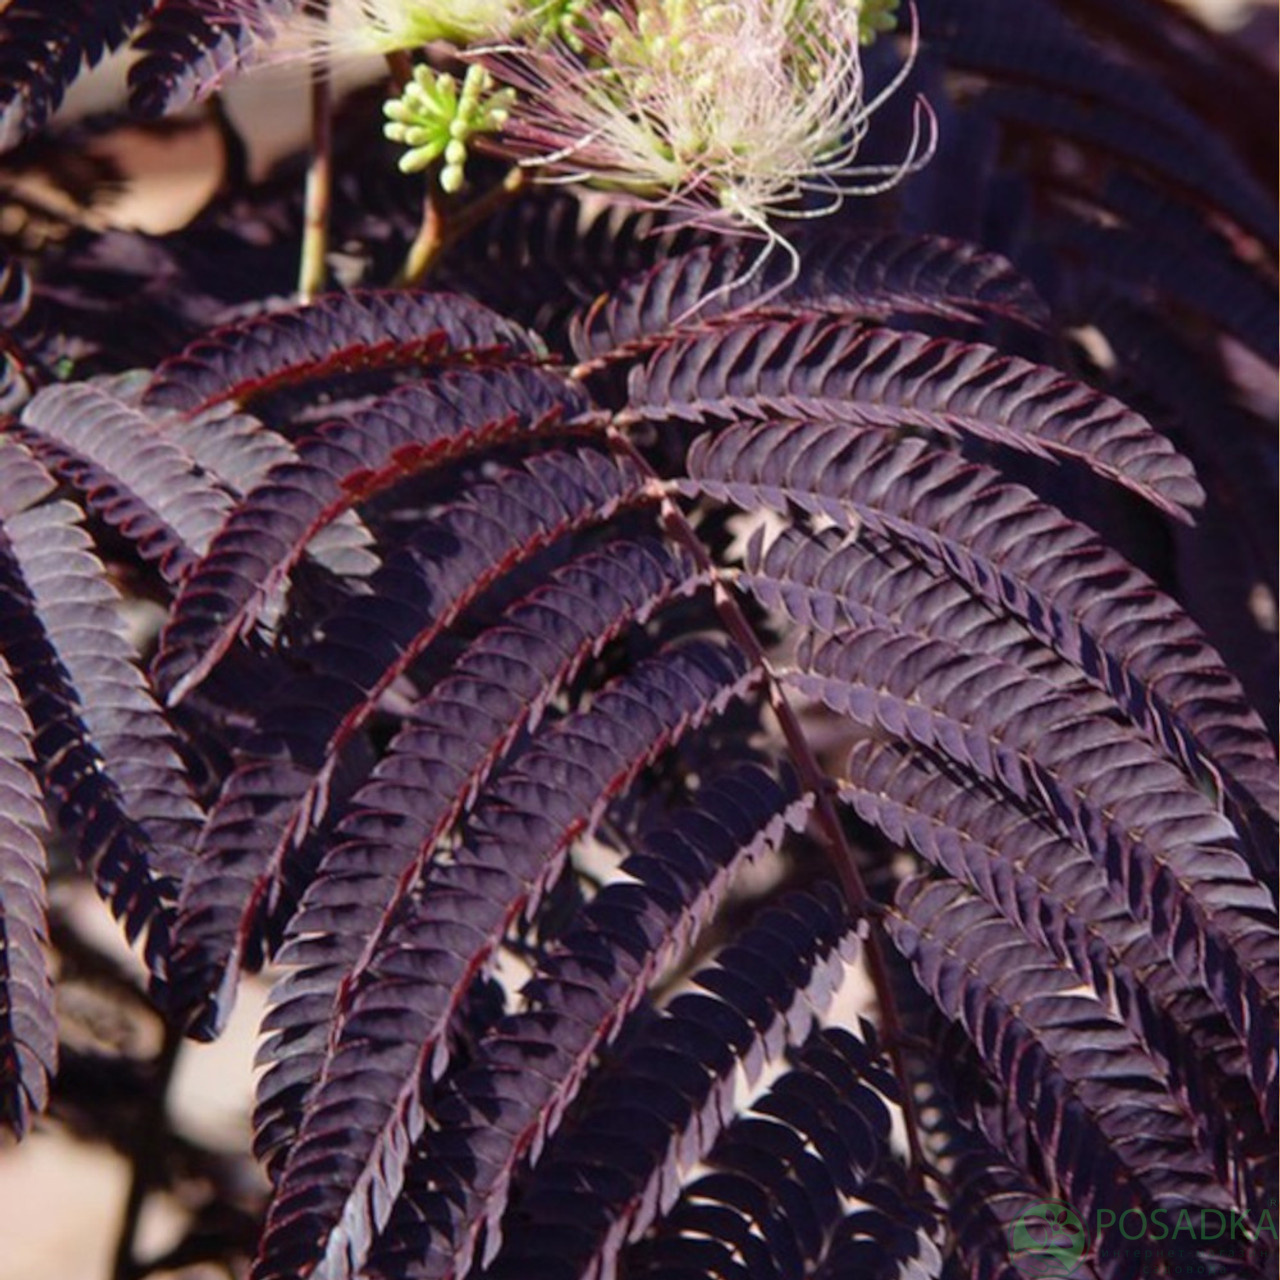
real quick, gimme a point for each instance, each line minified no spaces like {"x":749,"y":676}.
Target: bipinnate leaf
{"x":525,"y":762}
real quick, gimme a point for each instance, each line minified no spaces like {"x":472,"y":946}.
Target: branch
{"x":313,"y":268}
{"x":437,"y":233}
{"x":815,"y":780}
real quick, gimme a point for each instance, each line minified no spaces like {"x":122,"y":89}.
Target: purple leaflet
{"x":28,"y":1028}
{"x":868,"y":377}
{"x":831,"y":583}
{"x":1027,"y":559}
{"x":1057,"y":896}
{"x":1097,"y":100}
{"x":335,"y":334}
{"x":280,"y":788}
{"x":189,"y":47}
{"x":773,"y":1196}
{"x":344,"y":462}
{"x":44,"y":47}
{"x":1160,"y":842}
{"x":239,"y":452}
{"x":1109,"y":1133}
{"x":433,"y":768}
{"x":874,"y":275}
{"x":988,"y":1197}
{"x":390,"y":1037}
{"x":1168,"y":247}
{"x":530,"y":1068}
{"x":131,"y":476}
{"x":105,"y":751}
{"x":618,"y":1163}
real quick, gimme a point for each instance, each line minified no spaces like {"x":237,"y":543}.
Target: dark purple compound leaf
{"x":107,"y":757}
{"x":1133,"y":143}
{"x":1065,"y":86}
{"x":1197,"y":402}
{"x":989,"y":1196}
{"x":401,"y":434}
{"x":28,"y":1027}
{"x":390,"y":1037}
{"x":831,"y":582}
{"x":779,"y":1172}
{"x":871,"y":275}
{"x":528,"y":1070}
{"x":1052,"y":891}
{"x":239,"y":452}
{"x":279,"y":791}
{"x":892,"y":1238}
{"x":190,"y":47}
{"x":1027,"y":559}
{"x":1111,"y":1135}
{"x":865,"y":378}
{"x":44,"y":47}
{"x":1161,"y":844}
{"x":335,"y":334}
{"x":452,"y":741}
{"x":1167,"y":250}
{"x":130,"y":475}
{"x":618,"y":1163}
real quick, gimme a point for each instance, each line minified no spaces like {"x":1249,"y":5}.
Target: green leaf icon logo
{"x":1048,"y":1240}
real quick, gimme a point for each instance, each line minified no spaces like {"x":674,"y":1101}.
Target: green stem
{"x":436,"y":232}
{"x":313,"y":268}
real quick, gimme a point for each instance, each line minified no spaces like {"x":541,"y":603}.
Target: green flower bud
{"x":436,"y":117}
